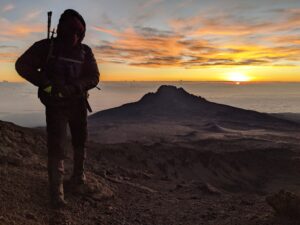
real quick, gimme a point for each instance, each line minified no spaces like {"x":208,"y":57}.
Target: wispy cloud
{"x":235,"y":25}
{"x":13,"y":30}
{"x":145,"y":5}
{"x":8,"y":56}
{"x":287,"y":39}
{"x":8,"y":47}
{"x":155,"y":48}
{"x":8,"y":7}
{"x":141,"y":46}
{"x":222,"y":40}
{"x":8,"y":53}
{"x":107,"y":31}
{"x":32,"y":15}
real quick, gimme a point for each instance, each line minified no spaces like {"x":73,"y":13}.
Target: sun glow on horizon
{"x":238,"y":77}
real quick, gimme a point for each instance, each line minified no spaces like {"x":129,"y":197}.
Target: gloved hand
{"x":67,"y":90}
{"x":53,"y":91}
{"x":62,"y":90}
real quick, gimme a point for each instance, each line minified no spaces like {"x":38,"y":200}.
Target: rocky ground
{"x":158,"y":183}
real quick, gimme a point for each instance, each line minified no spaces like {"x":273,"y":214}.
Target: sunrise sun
{"x":238,"y":77}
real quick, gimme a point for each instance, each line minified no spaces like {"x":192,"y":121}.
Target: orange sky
{"x":168,"y":40}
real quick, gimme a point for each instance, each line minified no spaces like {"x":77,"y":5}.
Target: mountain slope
{"x":170,"y":103}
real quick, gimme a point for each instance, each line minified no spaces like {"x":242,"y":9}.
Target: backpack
{"x":62,"y":71}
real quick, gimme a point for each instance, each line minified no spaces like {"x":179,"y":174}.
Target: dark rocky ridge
{"x":19,"y":145}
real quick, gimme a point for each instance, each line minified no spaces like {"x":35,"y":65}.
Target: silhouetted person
{"x":64,"y":69}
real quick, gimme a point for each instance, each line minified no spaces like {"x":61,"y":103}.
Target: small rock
{"x":178,"y":186}
{"x":30,"y":216}
{"x":246,"y":202}
{"x":285,"y":203}
{"x":209,"y":189}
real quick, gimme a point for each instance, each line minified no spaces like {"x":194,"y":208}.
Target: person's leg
{"x":78,"y":128}
{"x":56,"y":142}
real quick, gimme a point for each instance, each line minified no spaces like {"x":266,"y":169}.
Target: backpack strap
{"x":50,"y":51}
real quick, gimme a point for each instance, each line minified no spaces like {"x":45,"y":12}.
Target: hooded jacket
{"x":44,"y":65}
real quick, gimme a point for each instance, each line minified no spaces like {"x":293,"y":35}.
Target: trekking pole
{"x":49,"y":24}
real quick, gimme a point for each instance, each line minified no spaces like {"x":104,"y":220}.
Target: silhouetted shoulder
{"x":41,"y":45}
{"x":89,"y":56}
{"x":37,"y":50}
{"x":33,"y":59}
{"x":42,"y":42}
{"x":86,"y":47}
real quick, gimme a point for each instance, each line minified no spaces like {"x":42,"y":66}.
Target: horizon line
{"x":177,"y":81}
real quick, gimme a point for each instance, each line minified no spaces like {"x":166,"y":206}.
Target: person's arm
{"x":29,"y":65}
{"x":90,"y":77}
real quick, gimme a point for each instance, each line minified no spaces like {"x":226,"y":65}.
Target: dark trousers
{"x":58,"y":117}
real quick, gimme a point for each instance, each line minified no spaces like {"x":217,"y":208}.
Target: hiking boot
{"x":58,"y":203}
{"x":79,"y":185}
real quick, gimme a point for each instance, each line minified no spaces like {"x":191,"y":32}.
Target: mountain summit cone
{"x":173,"y":104}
